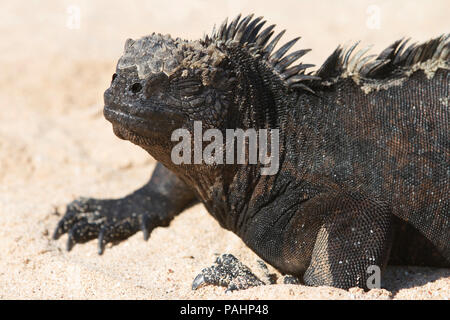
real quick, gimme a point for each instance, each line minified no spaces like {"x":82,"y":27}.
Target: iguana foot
{"x":109,"y":220}
{"x":227,"y":272}
{"x":113,"y":220}
{"x":291,"y":280}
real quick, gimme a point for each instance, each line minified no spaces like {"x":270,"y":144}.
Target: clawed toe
{"x":291,"y":280}
{"x":88,"y":219}
{"x":227,"y":272}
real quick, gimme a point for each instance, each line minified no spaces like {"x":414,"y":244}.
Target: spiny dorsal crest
{"x":246,"y":32}
{"x":394,"y":61}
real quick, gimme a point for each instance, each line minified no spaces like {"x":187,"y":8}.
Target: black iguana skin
{"x":364,"y":150}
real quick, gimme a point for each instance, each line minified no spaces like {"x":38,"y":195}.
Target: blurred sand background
{"x":57,"y":58}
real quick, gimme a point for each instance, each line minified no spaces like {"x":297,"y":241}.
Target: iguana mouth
{"x":131,"y":122}
{"x":123,"y":124}
{"x":154,"y":124}
{"x":114,"y":115}
{"x":126,"y":134}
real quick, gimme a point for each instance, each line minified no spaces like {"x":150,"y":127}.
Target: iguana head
{"x":229,"y":79}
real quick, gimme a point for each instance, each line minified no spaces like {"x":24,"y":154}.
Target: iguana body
{"x":364,"y":151}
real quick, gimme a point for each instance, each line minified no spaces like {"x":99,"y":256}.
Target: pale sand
{"x":55,"y":145}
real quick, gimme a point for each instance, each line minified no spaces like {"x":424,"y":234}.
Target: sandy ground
{"x":55,"y":144}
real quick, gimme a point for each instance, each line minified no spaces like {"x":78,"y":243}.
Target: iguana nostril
{"x":135,"y":88}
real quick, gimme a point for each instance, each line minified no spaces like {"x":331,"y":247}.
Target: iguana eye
{"x":135,"y":88}
{"x":114,"y":76}
{"x":189,"y":88}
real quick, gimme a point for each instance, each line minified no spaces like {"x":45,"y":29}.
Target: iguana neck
{"x":231,"y":191}
{"x":260,"y":103}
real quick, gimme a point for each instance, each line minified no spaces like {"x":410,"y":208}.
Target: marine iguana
{"x":364,"y":159}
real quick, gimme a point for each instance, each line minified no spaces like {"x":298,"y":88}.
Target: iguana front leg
{"x":331,"y":239}
{"x":113,"y":220}
{"x":354,"y":238}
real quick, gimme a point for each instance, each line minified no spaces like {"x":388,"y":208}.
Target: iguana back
{"x":388,"y":138}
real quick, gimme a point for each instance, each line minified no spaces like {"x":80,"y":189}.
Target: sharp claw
{"x":101,"y":242}
{"x":70,"y":242}
{"x":198,"y":281}
{"x":144,"y":227}
{"x":146,"y":233}
{"x":57,"y":233}
{"x":232,"y":287}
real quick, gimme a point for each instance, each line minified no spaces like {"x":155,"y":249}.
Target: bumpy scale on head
{"x":157,"y":53}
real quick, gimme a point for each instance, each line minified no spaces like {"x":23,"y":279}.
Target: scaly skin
{"x":364,"y":153}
